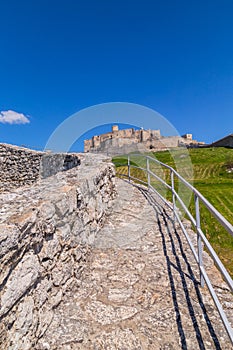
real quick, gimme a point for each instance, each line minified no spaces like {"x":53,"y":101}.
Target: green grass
{"x":211,"y":177}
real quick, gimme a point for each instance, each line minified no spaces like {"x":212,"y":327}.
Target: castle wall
{"x":21,"y":166}
{"x":120,"y":146}
{"x":87,"y":145}
{"x":43,"y":234}
{"x":172,"y":141}
{"x":145,"y":134}
{"x":155,"y":134}
{"x":137,"y":136}
{"x":149,"y":140}
{"x":163,"y":143}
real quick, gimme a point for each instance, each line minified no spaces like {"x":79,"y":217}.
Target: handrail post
{"x":199,"y":240}
{"x":173,"y":195}
{"x":148,"y":169}
{"x":128,"y":167}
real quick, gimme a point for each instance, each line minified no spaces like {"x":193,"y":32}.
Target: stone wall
{"x":120,"y":146}
{"x":96,"y":143}
{"x":116,"y":146}
{"x":131,"y":140}
{"x":44,"y":235}
{"x":21,"y":166}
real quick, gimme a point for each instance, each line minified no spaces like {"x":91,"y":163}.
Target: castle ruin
{"x":128,"y":140}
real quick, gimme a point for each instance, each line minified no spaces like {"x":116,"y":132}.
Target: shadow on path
{"x":172,"y":242}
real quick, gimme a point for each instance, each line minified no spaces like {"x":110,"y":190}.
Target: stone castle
{"x":128,"y":140}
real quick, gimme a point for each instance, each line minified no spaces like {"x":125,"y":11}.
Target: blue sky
{"x":59,"y":57}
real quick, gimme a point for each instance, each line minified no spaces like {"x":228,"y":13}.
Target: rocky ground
{"x":139,"y":288}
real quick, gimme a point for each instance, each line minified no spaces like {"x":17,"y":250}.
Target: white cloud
{"x":12,"y":117}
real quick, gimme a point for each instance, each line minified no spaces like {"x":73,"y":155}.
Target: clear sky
{"x":60,"y":56}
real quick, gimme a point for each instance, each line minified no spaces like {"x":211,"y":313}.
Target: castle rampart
{"x":128,"y":140}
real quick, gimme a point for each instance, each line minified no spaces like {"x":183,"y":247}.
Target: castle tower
{"x":187,"y":136}
{"x":115,"y":128}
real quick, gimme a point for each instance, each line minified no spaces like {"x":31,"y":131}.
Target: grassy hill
{"x":213,"y":177}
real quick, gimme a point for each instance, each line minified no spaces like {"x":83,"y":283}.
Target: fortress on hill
{"x":129,"y":140}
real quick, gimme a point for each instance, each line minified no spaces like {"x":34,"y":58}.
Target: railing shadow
{"x":172,"y":242}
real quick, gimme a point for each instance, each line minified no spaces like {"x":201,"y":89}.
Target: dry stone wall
{"x":21,"y":166}
{"x":43,"y":234}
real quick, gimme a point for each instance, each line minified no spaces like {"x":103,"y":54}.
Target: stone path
{"x":139,"y":289}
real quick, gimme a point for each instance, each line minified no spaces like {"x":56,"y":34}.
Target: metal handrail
{"x":201,"y":238}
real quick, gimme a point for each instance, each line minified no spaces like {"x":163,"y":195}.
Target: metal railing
{"x":196,"y":221}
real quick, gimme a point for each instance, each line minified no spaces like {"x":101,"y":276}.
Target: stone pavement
{"x":139,"y":288}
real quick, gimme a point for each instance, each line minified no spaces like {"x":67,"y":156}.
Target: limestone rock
{"x":42,"y":256}
{"x":21,"y":279}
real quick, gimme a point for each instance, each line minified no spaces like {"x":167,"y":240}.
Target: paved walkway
{"x":139,"y":288}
